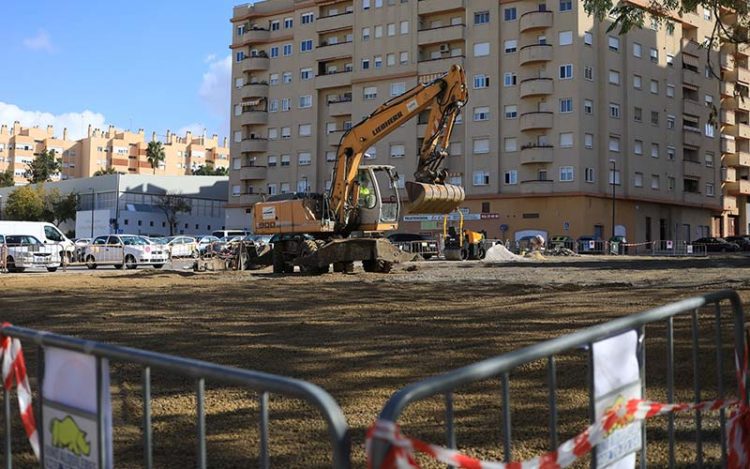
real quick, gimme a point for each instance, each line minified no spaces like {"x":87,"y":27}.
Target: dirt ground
{"x":362,"y":337}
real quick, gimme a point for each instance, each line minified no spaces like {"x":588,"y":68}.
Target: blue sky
{"x":151,"y":64}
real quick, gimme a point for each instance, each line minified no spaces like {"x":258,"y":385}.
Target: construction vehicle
{"x":314,"y":231}
{"x":462,"y":244}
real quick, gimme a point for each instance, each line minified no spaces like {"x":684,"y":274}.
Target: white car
{"x":25,"y":251}
{"x":123,"y":250}
{"x":182,"y":246}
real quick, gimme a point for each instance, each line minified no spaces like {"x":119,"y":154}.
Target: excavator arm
{"x":446,"y":95}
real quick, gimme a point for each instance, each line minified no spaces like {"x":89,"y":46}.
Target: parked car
{"x":26,"y":251}
{"x":128,"y":250}
{"x":80,"y":246}
{"x":426,"y":246}
{"x":205,"y":241}
{"x":44,"y":232}
{"x":561,"y":241}
{"x":182,"y":246}
{"x":742,"y":241}
{"x":229,"y":233}
{"x":714,"y":244}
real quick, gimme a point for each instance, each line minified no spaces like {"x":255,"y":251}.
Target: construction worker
{"x":366,"y":197}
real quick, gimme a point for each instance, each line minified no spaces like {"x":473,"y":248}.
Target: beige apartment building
{"x":124,"y":151}
{"x":560,"y":112}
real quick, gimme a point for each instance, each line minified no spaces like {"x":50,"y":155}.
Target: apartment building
{"x":561,"y":113}
{"x":121,"y":150}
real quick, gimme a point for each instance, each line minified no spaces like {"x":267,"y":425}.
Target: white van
{"x":45,"y":232}
{"x":229,"y":233}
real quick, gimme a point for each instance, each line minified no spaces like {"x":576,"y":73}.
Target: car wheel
{"x":723,"y":249}
{"x":130,"y":263}
{"x":10,"y":264}
{"x":91,"y":262}
{"x":158,"y":266}
{"x":118,"y":266}
{"x":51,"y":269}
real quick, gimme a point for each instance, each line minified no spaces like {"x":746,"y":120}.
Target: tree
{"x":43,"y":167}
{"x":172,"y":205}
{"x":7,"y":178}
{"x":60,"y":208}
{"x":25,"y":203}
{"x":210,"y":170}
{"x":155,"y":154}
{"x":102,"y":172}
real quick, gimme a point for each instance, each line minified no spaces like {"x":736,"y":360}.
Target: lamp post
{"x":1,"y":207}
{"x":614,"y":180}
{"x":93,"y":203}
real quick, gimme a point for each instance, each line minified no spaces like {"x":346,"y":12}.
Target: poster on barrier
{"x":592,"y":244}
{"x":689,"y":248}
{"x":617,"y":380}
{"x":669,"y":244}
{"x":69,"y":411}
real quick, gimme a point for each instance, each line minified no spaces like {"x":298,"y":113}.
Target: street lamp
{"x":614,"y":175}
{"x":93,"y":202}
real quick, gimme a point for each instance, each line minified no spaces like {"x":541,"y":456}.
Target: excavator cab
{"x":378,"y":200}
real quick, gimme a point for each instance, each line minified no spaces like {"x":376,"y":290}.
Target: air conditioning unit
{"x":445,"y":48}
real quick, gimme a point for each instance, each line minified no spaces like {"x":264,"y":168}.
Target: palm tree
{"x":155,"y":154}
{"x":102,"y":172}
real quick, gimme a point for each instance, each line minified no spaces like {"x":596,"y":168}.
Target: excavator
{"x":314,"y":231}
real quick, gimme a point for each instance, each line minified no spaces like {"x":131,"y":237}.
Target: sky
{"x":151,"y":64}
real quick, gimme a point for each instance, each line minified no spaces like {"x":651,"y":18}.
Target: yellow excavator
{"x":315,"y":231}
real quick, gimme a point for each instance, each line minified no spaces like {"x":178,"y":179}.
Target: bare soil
{"x":362,"y":337}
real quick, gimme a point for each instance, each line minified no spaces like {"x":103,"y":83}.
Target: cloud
{"x":194,"y":128}
{"x":76,"y":122}
{"x":40,"y":42}
{"x":215,"y":91}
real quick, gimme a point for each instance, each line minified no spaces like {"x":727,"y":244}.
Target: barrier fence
{"x":724,"y":319}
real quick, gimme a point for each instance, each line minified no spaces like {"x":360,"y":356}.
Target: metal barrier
{"x":677,"y":248}
{"x":426,"y":249}
{"x":502,"y":366}
{"x":18,"y":257}
{"x":592,"y":247}
{"x":199,"y":371}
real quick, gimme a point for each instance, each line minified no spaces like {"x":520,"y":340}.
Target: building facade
{"x":561,"y":112}
{"x":123,"y":151}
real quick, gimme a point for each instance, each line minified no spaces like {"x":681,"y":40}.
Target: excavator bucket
{"x":434,"y":198}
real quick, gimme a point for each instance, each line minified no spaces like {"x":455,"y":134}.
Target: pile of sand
{"x":499,"y":253}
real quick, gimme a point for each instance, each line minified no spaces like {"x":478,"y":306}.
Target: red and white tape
{"x":14,"y":369}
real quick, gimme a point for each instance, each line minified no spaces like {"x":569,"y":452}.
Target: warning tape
{"x":14,"y":369}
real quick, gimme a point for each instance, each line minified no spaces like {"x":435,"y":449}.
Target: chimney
{"x":111,"y":131}
{"x":3,"y":129}
{"x":188,"y":137}
{"x":50,"y":131}
{"x":225,"y":142}
{"x":16,"y":128}
{"x":89,"y":130}
{"x":215,"y":137}
{"x":153,"y":136}
{"x":169,"y":136}
{"x":65,"y":133}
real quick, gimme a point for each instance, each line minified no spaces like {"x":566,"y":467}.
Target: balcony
{"x":256,"y":36}
{"x":536,"y":186}
{"x":536,"y":121}
{"x":692,"y":47}
{"x":439,"y":65}
{"x":334,"y":51}
{"x":535,"y":53}
{"x":739,"y":187}
{"x":253,"y":173}
{"x":692,"y":137}
{"x":340,"y":108}
{"x":254,"y":118}
{"x":537,"y":154}
{"x":728,"y":175}
{"x":694,"y":108}
{"x":692,"y":168}
{"x":729,"y":204}
{"x":254,"y":145}
{"x":334,"y":22}
{"x":333,"y":80}
{"x":254,"y":64}
{"x":727,"y":61}
{"x":690,"y":77}
{"x":333,"y":138}
{"x":728,"y":145}
{"x":727,"y":88}
{"x":741,"y":159}
{"x":742,"y":74}
{"x":537,"y":87}
{"x":535,"y":20}
{"x":245,"y":199}
{"x":254,"y":90}
{"x":453,"y":32}
{"x":727,"y":117}
{"x":742,"y":103}
{"x":741,"y":131}
{"x":426,"y":7}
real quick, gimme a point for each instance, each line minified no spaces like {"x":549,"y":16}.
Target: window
{"x":654,"y":150}
{"x":305,"y":101}
{"x":565,"y":38}
{"x":710,"y":191}
{"x":391,"y":29}
{"x":588,"y":106}
{"x":286,"y":104}
{"x":365,"y":34}
{"x":670,"y":122}
{"x":670,"y":183}
{"x":654,"y":117}
{"x":510,"y":111}
{"x":655,"y":182}
{"x":481,"y":178}
{"x":378,"y":61}
{"x":481,"y":49}
{"x":637,"y":82}
{"x":637,"y":50}
{"x":589,"y":174}
{"x":671,"y":153}
{"x":238,"y":136}
{"x":390,"y":60}
{"x":588,"y":38}
{"x":706,"y":14}
{"x":286,"y":132}
{"x":397,"y":151}
{"x":272,"y":160}
{"x":288,"y":23}
{"x":304,"y":158}
{"x":613,"y":43}
{"x":510,"y":144}
{"x":398,"y":89}
{"x":365,"y":4}
{"x":566,"y":5}
{"x":404,"y":27}
{"x":710,"y":129}
{"x":614,"y":77}
{"x":285,"y":160}
{"x":456,"y":149}
{"x":271,"y":188}
{"x":670,"y":91}
{"x":614,"y":143}
{"x":273,"y":133}
{"x":670,"y":60}
{"x":236,"y":190}
{"x":509,"y":79}
{"x":654,"y":55}
{"x":709,"y":160}
{"x":287,"y":50}
{"x":305,"y":130}
{"x":614,"y":177}
{"x":483,"y":17}
{"x":404,"y":58}
{"x":273,"y":79}
{"x":482,"y":81}
{"x":638,"y":179}
{"x":365,"y":64}
{"x":638,"y":147}
{"x":588,"y":140}
{"x":378,"y":31}
{"x":306,"y":45}
{"x":330,"y":156}
{"x":509,"y":14}
{"x":566,"y":72}
{"x":370,"y":92}
{"x":511,"y":177}
{"x":566,"y":139}
{"x":566,"y":105}
{"x":637,"y":114}
{"x":275,"y":25}
{"x":566,"y":174}
{"x":511,"y":45}
{"x":654,"y":87}
{"x":483,"y":113}
{"x":284,"y":187}
{"x":306,"y":74}
{"x":481,"y":146}
{"x":308,"y":18}
{"x":614,"y":110}
{"x":588,"y":72}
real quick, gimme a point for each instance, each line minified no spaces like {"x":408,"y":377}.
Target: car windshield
{"x":133,"y":241}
